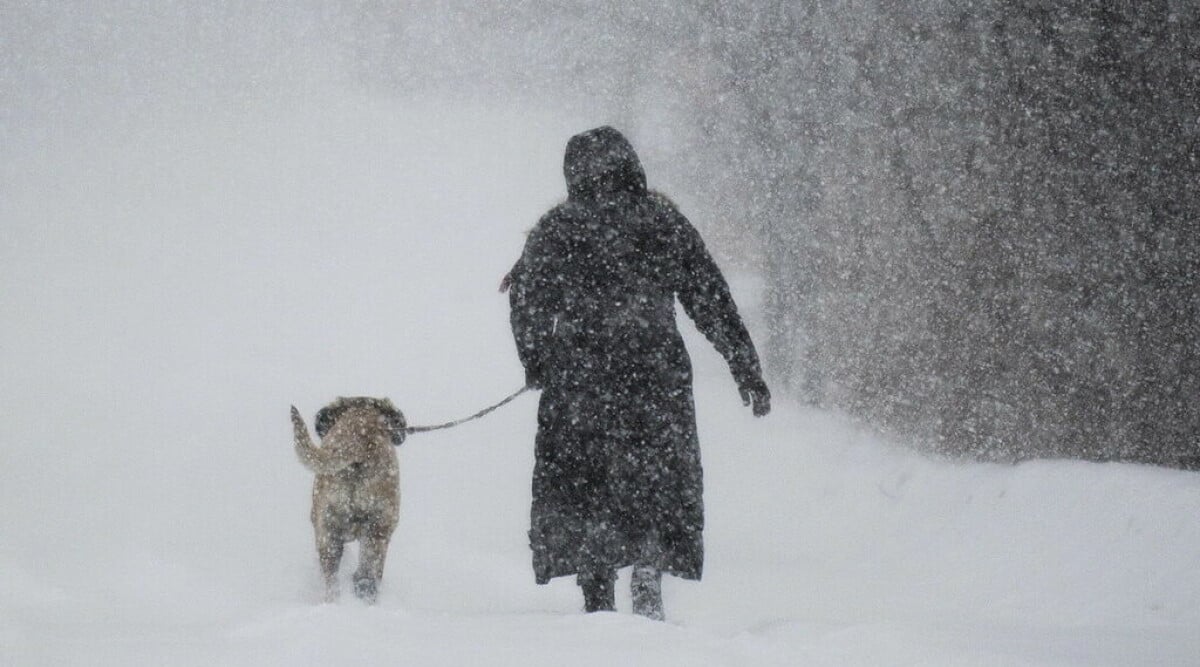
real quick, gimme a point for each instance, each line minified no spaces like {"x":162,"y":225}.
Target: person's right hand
{"x":754,"y":392}
{"x":533,"y":377}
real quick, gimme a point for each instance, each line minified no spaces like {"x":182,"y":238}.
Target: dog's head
{"x":391,"y":418}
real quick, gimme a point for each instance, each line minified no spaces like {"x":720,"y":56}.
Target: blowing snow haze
{"x":975,"y":226}
{"x":971,"y":228}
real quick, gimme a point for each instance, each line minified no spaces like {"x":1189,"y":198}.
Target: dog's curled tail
{"x":313,"y":457}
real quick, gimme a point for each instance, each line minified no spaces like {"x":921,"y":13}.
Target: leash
{"x":477,"y":415}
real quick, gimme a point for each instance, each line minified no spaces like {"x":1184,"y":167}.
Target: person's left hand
{"x":754,"y":392}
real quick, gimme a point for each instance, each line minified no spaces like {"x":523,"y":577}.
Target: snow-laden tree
{"x":980,"y":223}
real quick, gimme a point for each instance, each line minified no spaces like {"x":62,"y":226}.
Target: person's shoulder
{"x":548,"y":219}
{"x":554,"y":224}
{"x":668,"y":215}
{"x":663,"y":203}
{"x":561,"y":213}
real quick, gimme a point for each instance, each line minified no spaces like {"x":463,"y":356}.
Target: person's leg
{"x":598,"y":591}
{"x":647,"y":592}
{"x":646,"y":584}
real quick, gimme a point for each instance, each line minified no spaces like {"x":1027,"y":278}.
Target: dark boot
{"x":647,"y":592}
{"x":598,"y":592}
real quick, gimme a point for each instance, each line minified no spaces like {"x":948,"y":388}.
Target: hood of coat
{"x":601,"y":163}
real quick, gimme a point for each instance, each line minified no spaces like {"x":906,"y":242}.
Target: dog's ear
{"x":395,"y":419}
{"x":326,"y":416}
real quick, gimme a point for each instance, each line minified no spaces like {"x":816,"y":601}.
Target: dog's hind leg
{"x":329,"y":550}
{"x":373,"y":548}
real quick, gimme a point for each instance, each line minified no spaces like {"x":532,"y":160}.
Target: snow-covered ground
{"x":169,"y":286}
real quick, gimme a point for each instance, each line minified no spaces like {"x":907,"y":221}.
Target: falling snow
{"x":959,"y":236}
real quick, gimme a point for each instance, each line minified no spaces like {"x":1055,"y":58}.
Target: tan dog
{"x":356,"y":493}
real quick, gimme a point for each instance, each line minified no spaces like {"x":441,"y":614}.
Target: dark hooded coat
{"x":617,"y":478}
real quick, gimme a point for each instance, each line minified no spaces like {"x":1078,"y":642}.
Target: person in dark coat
{"x":617,"y":479}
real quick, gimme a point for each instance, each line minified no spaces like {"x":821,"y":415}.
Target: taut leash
{"x":477,"y":415}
